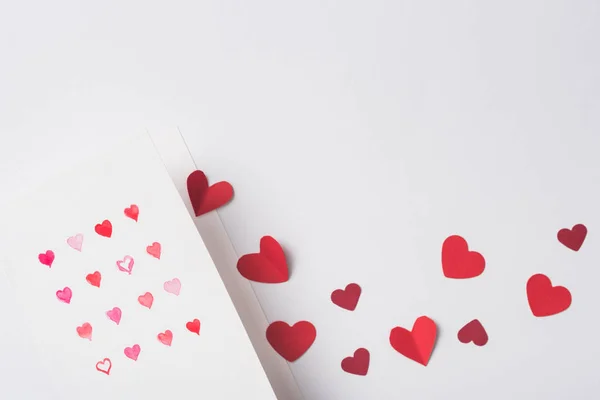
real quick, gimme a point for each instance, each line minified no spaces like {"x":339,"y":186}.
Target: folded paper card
{"x":118,"y":294}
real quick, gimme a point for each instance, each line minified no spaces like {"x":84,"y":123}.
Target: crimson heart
{"x":458,"y":262}
{"x":347,"y":298}
{"x":291,"y":342}
{"x":94,"y":279}
{"x":357,"y":364}
{"x":573,"y":238}
{"x":104,"y":229}
{"x":193,"y":326}
{"x":267,"y":266}
{"x":545,"y":299}
{"x":416,"y":344}
{"x":473,"y":332}
{"x":206,"y":198}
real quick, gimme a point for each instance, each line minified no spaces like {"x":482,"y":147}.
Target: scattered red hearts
{"x":416,"y":344}
{"x":46,"y":258}
{"x":154,"y":250}
{"x":104,"y":229}
{"x":206,"y":198}
{"x":165,"y":338}
{"x":193,"y":326}
{"x":347,"y":298}
{"x":267,"y":266}
{"x":94,"y":279}
{"x":573,"y":238}
{"x":357,"y":364}
{"x":458,"y":262}
{"x":104,"y":366}
{"x":473,"y":332}
{"x":545,"y":299}
{"x":291,"y":342}
{"x":132,"y":212}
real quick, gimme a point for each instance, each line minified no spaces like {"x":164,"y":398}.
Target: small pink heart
{"x":64,"y":295}
{"x":146,"y":300}
{"x":173,"y":286}
{"x":132,"y":352}
{"x":46,"y":258}
{"x":75,"y":242}
{"x":165,"y":338}
{"x":114,"y":315}
{"x":126,"y":264}
{"x":154,"y":250}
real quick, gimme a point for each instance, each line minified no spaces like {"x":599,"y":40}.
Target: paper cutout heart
{"x":206,"y":198}
{"x":75,"y":242}
{"x":46,"y":258}
{"x":132,"y":212}
{"x":458,"y":262}
{"x":291,"y":342}
{"x":173,"y":286}
{"x":104,"y":229}
{"x":132,"y":352}
{"x":104,"y":366}
{"x":126,"y":264}
{"x":573,"y":238}
{"x":114,"y":315}
{"x":544,"y":299}
{"x":357,"y":364}
{"x":146,"y":300}
{"x":64,"y":295}
{"x":85,"y":331}
{"x":193,"y":326}
{"x":417,"y":344}
{"x":473,"y":332}
{"x":267,"y":266}
{"x":154,"y":250}
{"x":347,"y":298}
{"x":94,"y":279}
{"x":166,"y":338}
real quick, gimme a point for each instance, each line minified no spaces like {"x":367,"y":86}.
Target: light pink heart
{"x":75,"y":242}
{"x":126,"y":264}
{"x":173,"y":286}
{"x":64,"y":295}
{"x":114,"y":315}
{"x":132,"y":352}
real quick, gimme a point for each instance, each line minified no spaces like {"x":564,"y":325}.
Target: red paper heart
{"x":104,"y":229}
{"x":46,"y":258}
{"x":573,"y":238}
{"x":358,"y":364}
{"x":206,"y":198}
{"x":165,"y":338}
{"x":193,"y":326}
{"x":104,"y":366}
{"x":267,"y":266}
{"x":416,"y":344}
{"x":85,"y":331}
{"x":132,"y":212}
{"x":545,"y":299}
{"x":347,"y":298}
{"x":458,"y":262}
{"x":154,"y":250}
{"x":291,"y":342}
{"x":473,"y":332}
{"x":94,"y":279}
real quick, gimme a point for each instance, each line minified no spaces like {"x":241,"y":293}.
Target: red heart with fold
{"x":267,"y":266}
{"x":416,"y":344}
{"x":206,"y":198}
{"x":291,"y":342}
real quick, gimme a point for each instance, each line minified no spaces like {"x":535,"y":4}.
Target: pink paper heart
{"x":126,"y":264}
{"x":173,"y":286}
{"x":114,"y":315}
{"x":132,"y":352}
{"x":64,"y":295}
{"x":75,"y":242}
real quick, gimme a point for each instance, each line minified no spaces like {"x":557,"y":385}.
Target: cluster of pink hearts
{"x":126,"y":265}
{"x":458,"y":262}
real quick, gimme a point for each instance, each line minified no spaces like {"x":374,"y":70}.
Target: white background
{"x":360,"y":134}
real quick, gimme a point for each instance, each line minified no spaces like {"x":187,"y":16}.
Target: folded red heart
{"x":267,"y":266}
{"x":416,"y":344}
{"x":206,"y":198}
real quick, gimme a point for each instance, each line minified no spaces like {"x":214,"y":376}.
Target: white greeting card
{"x":119,"y":296}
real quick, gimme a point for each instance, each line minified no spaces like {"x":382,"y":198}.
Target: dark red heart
{"x":291,"y":342}
{"x":206,"y":198}
{"x":104,"y":229}
{"x":267,"y":266}
{"x":545,"y":299}
{"x":458,"y":262}
{"x":573,"y":238}
{"x":416,"y":344}
{"x":357,"y":364}
{"x":473,"y":332}
{"x":347,"y":298}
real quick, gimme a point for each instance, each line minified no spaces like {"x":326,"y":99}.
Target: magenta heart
{"x":114,"y":315}
{"x":64,"y":295}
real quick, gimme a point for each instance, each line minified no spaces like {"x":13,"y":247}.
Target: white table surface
{"x":360,"y":134}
